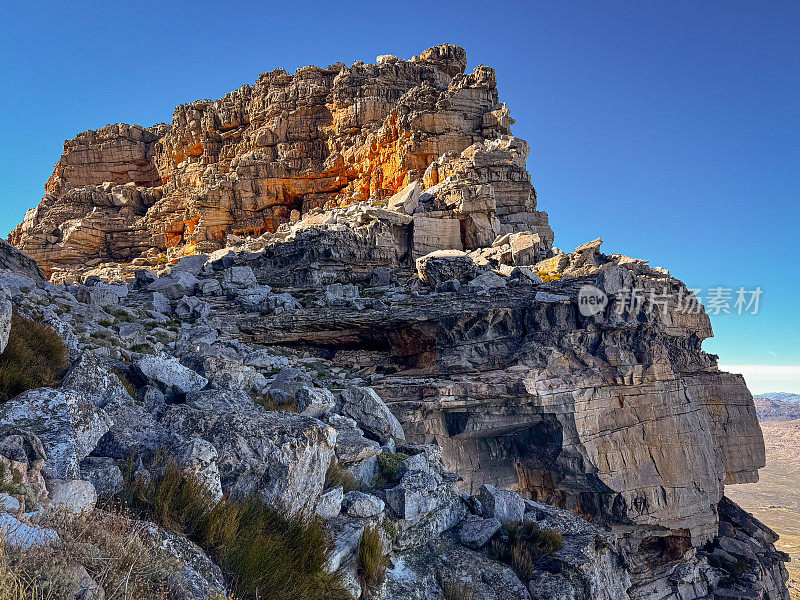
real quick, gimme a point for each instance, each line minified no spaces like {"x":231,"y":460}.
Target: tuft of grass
{"x":389,"y":464}
{"x":457,"y":590}
{"x":112,"y":548}
{"x":267,"y":402}
{"x":263,"y":551}
{"x":34,"y":357}
{"x":521,"y":545}
{"x":15,"y":583}
{"x":336,"y":476}
{"x":370,"y":561}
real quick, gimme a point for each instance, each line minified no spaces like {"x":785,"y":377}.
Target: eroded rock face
{"x":268,"y":153}
{"x":620,"y":417}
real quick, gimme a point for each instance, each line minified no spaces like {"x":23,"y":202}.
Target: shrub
{"x":521,"y":545}
{"x":264,"y":552}
{"x":34,"y":357}
{"x":370,"y":561}
{"x":336,"y":476}
{"x":389,"y":464}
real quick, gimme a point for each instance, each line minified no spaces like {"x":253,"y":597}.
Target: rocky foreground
{"x":398,"y":315}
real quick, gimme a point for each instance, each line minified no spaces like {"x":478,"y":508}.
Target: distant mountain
{"x":780,"y":396}
{"x":777,"y":405}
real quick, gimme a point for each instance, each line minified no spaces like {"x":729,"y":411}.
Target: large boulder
{"x":92,"y":377}
{"x":169,"y":374}
{"x":68,"y":425}
{"x":175,"y":285}
{"x":19,"y":262}
{"x":364,"y":406}
{"x":74,"y":495}
{"x":280,"y":456}
{"x":503,"y":505}
{"x":443,"y":265}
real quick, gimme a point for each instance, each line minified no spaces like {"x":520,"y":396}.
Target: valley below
{"x":775,"y":499}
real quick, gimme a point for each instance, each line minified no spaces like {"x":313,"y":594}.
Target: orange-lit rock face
{"x":322,"y":137}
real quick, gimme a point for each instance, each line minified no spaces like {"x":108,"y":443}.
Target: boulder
{"x":93,"y":378}
{"x":192,"y":307}
{"x":330,"y":503}
{"x":364,"y":406}
{"x":18,"y":262}
{"x":487,"y":281}
{"x":24,"y":537}
{"x":280,"y":456}
{"x":238,"y":277}
{"x":73,"y":495}
{"x":288,"y":383}
{"x":315,"y":402}
{"x":68,"y":425}
{"x":168,"y":373}
{"x":175,"y":285}
{"x":190,"y":264}
{"x":406,"y":200}
{"x":503,"y":505}
{"x":475,"y":532}
{"x":443,"y":265}
{"x":361,"y":505}
{"x":102,"y":295}
{"x":103,"y":473}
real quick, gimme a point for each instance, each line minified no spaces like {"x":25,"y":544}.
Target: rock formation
{"x":362,"y":244}
{"x":268,"y":153}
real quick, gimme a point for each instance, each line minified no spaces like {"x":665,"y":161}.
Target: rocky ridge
{"x":268,"y":154}
{"x":430,"y":319}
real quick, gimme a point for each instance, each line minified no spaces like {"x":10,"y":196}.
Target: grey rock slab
{"x":67,"y":423}
{"x":475,"y":532}
{"x":371,"y":413}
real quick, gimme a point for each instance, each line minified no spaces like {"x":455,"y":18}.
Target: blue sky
{"x":670,"y":129}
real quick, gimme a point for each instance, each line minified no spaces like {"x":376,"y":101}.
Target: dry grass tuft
{"x":34,"y":357}
{"x":336,"y":476}
{"x":370,"y":561}
{"x":264,"y":552}
{"x":521,"y":545}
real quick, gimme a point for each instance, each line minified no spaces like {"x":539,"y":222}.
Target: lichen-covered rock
{"x":73,"y":495}
{"x":503,"y":505}
{"x":280,"y":456}
{"x":370,"y":412}
{"x":169,"y":374}
{"x":475,"y":532}
{"x":22,"y":456}
{"x":68,"y":425}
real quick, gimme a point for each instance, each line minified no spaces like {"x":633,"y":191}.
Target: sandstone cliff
{"x":270,"y":152}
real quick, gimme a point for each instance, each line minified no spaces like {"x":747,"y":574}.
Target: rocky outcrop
{"x":362,"y":245}
{"x":268,"y":153}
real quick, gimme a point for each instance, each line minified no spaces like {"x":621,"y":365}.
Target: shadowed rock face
{"x":271,"y":151}
{"x":621,"y":418}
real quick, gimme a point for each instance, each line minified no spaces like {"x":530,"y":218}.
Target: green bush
{"x":34,"y":357}
{"x":370,"y":561}
{"x":521,"y":545}
{"x":264,"y":552}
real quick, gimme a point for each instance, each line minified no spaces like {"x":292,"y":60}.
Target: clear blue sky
{"x":668,"y":128}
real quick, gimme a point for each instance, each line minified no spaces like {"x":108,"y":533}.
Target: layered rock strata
{"x":268,"y":153}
